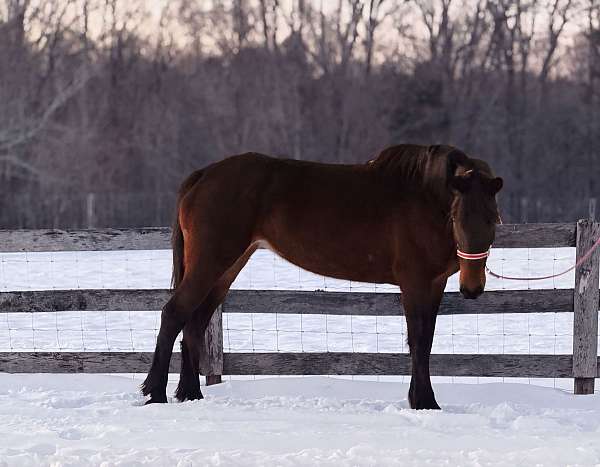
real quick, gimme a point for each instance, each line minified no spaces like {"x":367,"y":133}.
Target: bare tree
{"x":558,"y":19}
{"x":108,"y":97}
{"x":378,"y":11}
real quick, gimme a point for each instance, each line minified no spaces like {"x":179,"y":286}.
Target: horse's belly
{"x":355,"y":264}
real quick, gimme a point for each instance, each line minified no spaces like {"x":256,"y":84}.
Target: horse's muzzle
{"x":471,"y":294}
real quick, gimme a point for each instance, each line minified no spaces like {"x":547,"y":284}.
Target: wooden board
{"x":342,"y":363}
{"x":339,"y":363}
{"x":283,"y":301}
{"x":211,"y":359}
{"x":535,"y":235}
{"x":158,"y":238}
{"x":83,"y":300}
{"x":507,"y":236}
{"x":81,"y":362}
{"x":585,"y":319}
{"x":388,"y":304}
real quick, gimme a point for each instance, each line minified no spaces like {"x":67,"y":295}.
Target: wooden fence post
{"x":585,"y":309}
{"x":90,"y":208}
{"x":524,"y":209}
{"x":211,"y":360}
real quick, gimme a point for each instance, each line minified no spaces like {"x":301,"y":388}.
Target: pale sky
{"x":387,"y":34}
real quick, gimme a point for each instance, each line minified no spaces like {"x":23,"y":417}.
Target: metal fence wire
{"x":548,"y":333}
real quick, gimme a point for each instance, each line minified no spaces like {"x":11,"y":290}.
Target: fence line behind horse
{"x":357,"y":329}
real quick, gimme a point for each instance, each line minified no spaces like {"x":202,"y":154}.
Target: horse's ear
{"x":455,"y":159}
{"x":495,"y":185}
{"x":461,"y":183}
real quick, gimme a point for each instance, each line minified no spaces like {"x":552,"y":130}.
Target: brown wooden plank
{"x":80,"y":362}
{"x":283,"y":301}
{"x":585,"y":319}
{"x":388,"y":304}
{"x":156,"y":238}
{"x":535,"y":235}
{"x":507,"y":236}
{"x":341,"y":363}
{"x":83,"y":300}
{"x":312,"y":302}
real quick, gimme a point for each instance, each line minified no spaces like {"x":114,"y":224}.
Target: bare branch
{"x":9,"y":139}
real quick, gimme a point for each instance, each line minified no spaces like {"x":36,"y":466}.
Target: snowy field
{"x":73,"y":420}
{"x":97,"y":420}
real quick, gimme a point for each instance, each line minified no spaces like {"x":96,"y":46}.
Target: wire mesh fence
{"x":127,"y":331}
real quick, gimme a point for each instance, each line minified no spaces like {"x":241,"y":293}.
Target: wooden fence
{"x":583,"y":301}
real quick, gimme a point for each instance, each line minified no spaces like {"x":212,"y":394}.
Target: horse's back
{"x":252,"y":178}
{"x":312,"y":214}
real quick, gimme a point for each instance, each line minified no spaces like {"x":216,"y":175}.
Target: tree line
{"x":105,"y":105}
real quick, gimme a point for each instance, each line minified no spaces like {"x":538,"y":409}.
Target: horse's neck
{"x":435,"y":208}
{"x":436,"y":200}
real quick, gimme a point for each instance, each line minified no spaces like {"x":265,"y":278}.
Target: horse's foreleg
{"x":421,"y":305}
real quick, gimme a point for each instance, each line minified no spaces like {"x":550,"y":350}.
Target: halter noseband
{"x":472,"y":256}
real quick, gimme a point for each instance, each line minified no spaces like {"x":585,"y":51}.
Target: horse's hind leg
{"x":421,"y":303}
{"x":191,"y":348}
{"x":175,"y":313}
{"x":195,"y":329}
{"x":189,"y":384}
{"x":189,"y":296}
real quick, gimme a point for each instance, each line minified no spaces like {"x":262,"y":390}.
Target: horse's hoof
{"x":188,"y":392}
{"x":156,"y":400}
{"x":433,"y":406}
{"x":423,"y":402}
{"x":192,"y":396}
{"x":427,"y":405}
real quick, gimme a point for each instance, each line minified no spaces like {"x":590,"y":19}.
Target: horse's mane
{"x":425,"y":167}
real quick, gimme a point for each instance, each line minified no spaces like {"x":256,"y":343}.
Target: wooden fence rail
{"x":304,"y":363}
{"x":583,"y":301}
{"x":159,"y":238}
{"x":288,"y":302}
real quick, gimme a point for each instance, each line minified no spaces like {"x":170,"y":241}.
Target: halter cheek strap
{"x":472,"y":256}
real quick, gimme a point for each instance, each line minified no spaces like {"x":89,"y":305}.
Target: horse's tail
{"x":177,"y":245}
{"x":177,"y":233}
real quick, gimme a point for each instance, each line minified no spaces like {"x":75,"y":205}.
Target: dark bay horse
{"x":412,"y":216}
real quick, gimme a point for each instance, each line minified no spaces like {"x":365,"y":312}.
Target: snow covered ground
{"x":98,"y":420}
{"x":72,"y":420}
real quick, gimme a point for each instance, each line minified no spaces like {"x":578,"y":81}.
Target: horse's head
{"x":474,"y":217}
